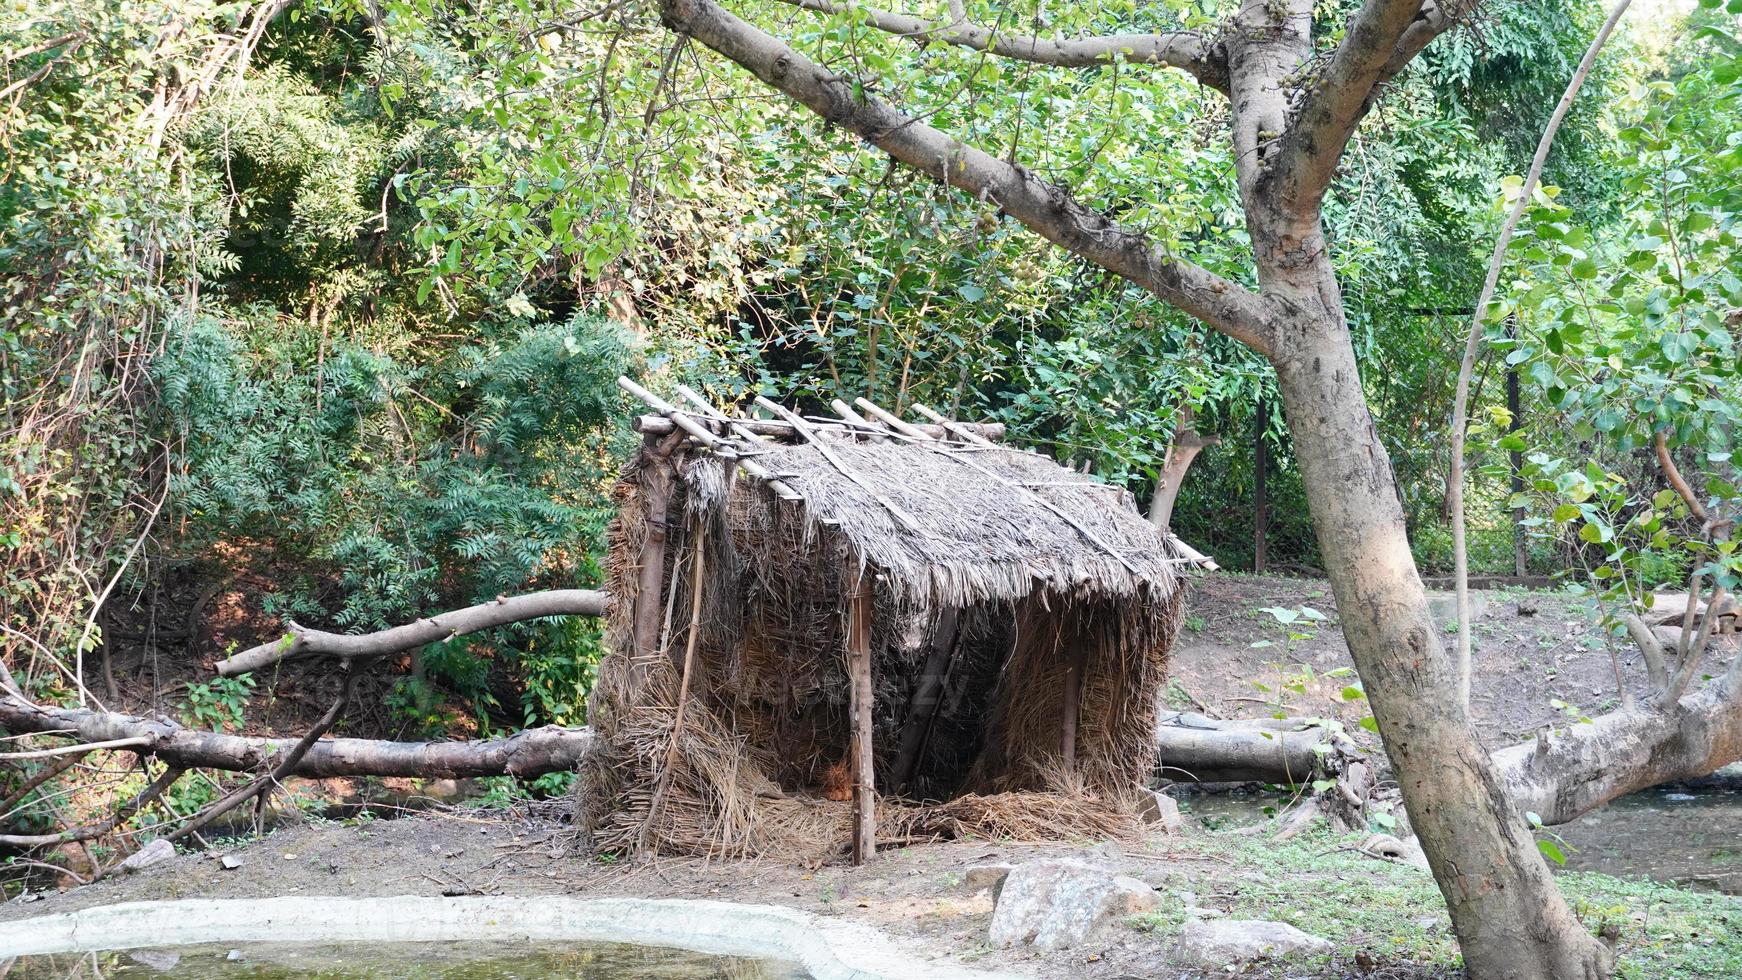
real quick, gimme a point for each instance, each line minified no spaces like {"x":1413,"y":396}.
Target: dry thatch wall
{"x":983,"y":597}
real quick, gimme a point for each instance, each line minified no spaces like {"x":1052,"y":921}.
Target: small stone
{"x":1054,"y":904}
{"x":160,"y":960}
{"x":230,"y":862}
{"x":156,"y":852}
{"x":235,"y":956}
{"x":1218,"y":944}
{"x":290,"y":857}
{"x":1160,"y":809}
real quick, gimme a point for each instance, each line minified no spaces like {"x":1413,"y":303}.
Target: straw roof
{"x":981,"y":523}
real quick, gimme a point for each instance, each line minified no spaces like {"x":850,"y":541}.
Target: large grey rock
{"x":1212,"y":944}
{"x":1057,"y":903}
{"x":156,"y":852}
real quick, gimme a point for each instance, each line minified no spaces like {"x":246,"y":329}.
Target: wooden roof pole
{"x":877,"y":433}
{"x":780,"y":487}
{"x":965,"y":435}
{"x":888,"y":418}
{"x":1093,"y":538}
{"x":700,"y":432}
{"x":778,"y":431}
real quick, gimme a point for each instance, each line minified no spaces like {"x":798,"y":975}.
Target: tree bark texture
{"x":1186,"y":446}
{"x":1584,"y":766}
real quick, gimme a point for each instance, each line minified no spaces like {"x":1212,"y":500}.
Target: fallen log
{"x":1196,"y":748}
{"x":1574,"y":770}
{"x":1559,"y":776}
{"x":299,"y":642}
{"x":532,"y":752}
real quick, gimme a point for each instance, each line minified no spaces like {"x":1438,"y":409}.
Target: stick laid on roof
{"x":877,"y":432}
{"x":679,"y":418}
{"x":780,"y":487}
{"x":722,"y":446}
{"x":951,"y":427}
{"x":888,"y":418}
{"x":1194,"y":555}
{"x":902,"y":517}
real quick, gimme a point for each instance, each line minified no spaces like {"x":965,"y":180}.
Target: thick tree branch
{"x":528,"y":753}
{"x":300,"y":642}
{"x":1341,"y":95}
{"x":1651,"y":647}
{"x":1188,"y":51}
{"x":282,"y":770}
{"x":1436,"y":18}
{"x":1046,"y":209}
{"x":1624,"y":751}
{"x":1673,"y":473}
{"x":1693,"y":648}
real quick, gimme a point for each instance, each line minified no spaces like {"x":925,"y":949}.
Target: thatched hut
{"x":788,"y":598}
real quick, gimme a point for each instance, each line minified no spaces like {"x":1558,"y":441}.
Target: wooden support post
{"x":1260,"y":496}
{"x":1071,"y":706}
{"x":927,"y":693}
{"x":656,"y":490}
{"x":1515,"y":459}
{"x":859,"y":677}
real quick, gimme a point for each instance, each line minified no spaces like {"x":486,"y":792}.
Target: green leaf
{"x":1371,"y":724}
{"x":1552,"y":851}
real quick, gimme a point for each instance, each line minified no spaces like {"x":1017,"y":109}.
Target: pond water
{"x":1691,"y":838}
{"x":403,"y":961}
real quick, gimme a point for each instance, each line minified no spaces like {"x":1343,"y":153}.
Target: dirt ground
{"x":914,"y":894}
{"x":1531,"y":649}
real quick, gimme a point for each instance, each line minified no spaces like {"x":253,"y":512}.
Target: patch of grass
{"x":1317,"y":882}
{"x":1665,"y":931}
{"x":1178,"y":698}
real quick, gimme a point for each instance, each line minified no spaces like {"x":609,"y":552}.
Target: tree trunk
{"x":1260,"y":494}
{"x":1186,"y":446}
{"x":1510,"y":918}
